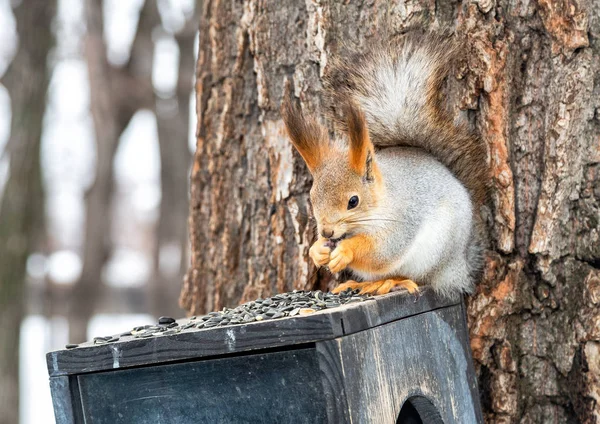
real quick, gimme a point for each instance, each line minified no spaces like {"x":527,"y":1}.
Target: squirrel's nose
{"x":327,"y":232}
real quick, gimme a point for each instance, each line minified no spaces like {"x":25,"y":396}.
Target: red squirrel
{"x":396,"y":195}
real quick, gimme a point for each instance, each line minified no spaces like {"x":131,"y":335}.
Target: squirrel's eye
{"x":353,"y":202}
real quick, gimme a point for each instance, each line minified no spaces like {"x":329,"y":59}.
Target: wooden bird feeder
{"x":391,"y":359}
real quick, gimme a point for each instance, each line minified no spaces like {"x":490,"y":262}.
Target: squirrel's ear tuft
{"x":361,"y":148}
{"x":308,"y":136}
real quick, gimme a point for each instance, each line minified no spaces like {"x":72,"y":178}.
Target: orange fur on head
{"x":308,"y":136}
{"x":361,"y":148}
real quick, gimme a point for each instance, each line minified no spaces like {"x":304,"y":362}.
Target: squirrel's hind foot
{"x":350,"y":284}
{"x":378,"y":287}
{"x":394,"y":284}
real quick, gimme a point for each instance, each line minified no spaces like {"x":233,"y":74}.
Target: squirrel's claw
{"x":340,"y":258}
{"x":388,"y":285}
{"x":319,"y":252}
{"x":378,"y":287}
{"x":350,"y":284}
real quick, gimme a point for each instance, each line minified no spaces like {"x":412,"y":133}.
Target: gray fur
{"x":399,"y":84}
{"x":394,"y":83}
{"x":426,"y":223}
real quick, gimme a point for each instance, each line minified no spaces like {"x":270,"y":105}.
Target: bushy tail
{"x":399,"y":86}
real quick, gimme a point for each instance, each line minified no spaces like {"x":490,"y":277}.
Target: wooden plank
{"x":191,"y":345}
{"x":276,"y":387}
{"x":66,"y":400}
{"x":330,"y":366}
{"x":388,"y":308}
{"x":194,"y":343}
{"x":463,"y":334}
{"x":426,"y":355}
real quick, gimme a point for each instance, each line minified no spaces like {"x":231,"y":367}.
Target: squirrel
{"x":396,"y":198}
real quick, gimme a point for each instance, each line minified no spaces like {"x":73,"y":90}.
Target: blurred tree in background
{"x":117,"y":93}
{"x":21,"y":204}
{"x":78,"y":235}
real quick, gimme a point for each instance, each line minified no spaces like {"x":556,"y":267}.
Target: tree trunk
{"x":21,"y":205}
{"x":528,"y":85}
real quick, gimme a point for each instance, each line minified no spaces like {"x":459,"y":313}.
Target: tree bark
{"x":528,"y":85}
{"x":21,"y":205}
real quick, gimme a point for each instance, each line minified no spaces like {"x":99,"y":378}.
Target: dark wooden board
{"x":194,"y":343}
{"x":276,"y":387}
{"x":426,"y":356}
{"x":66,"y":400}
{"x":332,"y":377}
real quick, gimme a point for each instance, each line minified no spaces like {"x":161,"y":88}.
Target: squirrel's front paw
{"x":340,"y":258}
{"x":319,"y":252}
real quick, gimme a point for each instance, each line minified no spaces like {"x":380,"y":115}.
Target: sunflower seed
{"x":294,"y":304}
{"x":166,"y":320}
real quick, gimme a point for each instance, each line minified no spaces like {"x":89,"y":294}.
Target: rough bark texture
{"x":529,"y":85}
{"x":21,"y":205}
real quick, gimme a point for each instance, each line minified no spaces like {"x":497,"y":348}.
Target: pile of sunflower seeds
{"x":296,"y":303}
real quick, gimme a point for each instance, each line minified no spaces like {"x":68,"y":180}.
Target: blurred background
{"x":93,"y":218}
